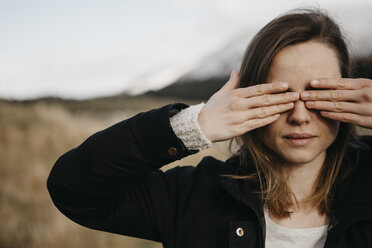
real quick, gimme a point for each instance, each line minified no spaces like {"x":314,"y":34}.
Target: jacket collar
{"x":241,"y":190}
{"x":347,"y":209}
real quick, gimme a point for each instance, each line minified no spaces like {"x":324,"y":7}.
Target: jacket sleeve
{"x":112,"y":181}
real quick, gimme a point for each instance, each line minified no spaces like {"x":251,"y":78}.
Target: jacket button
{"x":239,"y":231}
{"x":172,"y":151}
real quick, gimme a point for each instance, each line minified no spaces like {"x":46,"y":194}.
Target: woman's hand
{"x":346,"y":100}
{"x":233,"y":111}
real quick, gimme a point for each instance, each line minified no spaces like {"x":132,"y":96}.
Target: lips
{"x":299,"y":139}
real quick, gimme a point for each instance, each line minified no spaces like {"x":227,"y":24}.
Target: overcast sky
{"x":80,"y":49}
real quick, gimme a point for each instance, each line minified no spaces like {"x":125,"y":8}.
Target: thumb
{"x":232,"y":83}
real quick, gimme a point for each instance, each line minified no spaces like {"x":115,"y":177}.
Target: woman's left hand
{"x":343,"y":99}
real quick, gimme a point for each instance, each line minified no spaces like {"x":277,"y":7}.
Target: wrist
{"x":186,"y":127}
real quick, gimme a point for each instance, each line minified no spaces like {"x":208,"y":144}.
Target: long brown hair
{"x":297,"y":26}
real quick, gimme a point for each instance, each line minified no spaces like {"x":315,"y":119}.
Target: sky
{"x":80,"y":49}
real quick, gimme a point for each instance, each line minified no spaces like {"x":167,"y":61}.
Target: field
{"x":32,"y":136}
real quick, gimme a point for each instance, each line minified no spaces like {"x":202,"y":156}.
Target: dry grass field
{"x":32,"y":136}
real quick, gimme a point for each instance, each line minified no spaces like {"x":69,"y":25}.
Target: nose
{"x":299,"y":115}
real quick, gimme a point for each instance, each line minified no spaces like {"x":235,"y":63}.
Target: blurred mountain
{"x":220,"y":63}
{"x":198,"y":81}
{"x":210,"y":74}
{"x":361,"y":67}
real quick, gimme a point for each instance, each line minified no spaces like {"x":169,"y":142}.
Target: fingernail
{"x":276,"y":116}
{"x":290,"y":104}
{"x":283,"y":85}
{"x":232,"y":73}
{"x":305,"y":94}
{"x":294,"y":95}
{"x":309,"y":103}
{"x":315,"y":82}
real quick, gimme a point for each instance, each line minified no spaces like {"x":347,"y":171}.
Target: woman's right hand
{"x":233,"y":111}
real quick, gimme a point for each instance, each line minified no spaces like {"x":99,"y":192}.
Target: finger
{"x":261,"y":89}
{"x":359,"y":120}
{"x":341,"y":83}
{"x":331,"y":95}
{"x":268,"y":111}
{"x":257,"y":123}
{"x":232,"y":83}
{"x":270,"y":99}
{"x":340,"y":107}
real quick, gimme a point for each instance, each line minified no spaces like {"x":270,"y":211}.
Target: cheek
{"x":270,"y":132}
{"x":329,"y":129}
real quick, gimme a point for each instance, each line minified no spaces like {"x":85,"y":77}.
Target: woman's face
{"x":301,"y":135}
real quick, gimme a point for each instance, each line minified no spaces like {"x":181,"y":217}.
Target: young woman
{"x":300,"y":179}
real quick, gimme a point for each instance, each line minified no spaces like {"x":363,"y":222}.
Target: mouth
{"x":299,"y":139}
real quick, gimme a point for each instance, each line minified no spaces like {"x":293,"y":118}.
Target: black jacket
{"x":112,"y":182}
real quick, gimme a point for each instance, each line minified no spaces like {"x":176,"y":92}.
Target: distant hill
{"x":361,"y":67}
{"x":197,"y":89}
{"x":204,"y":77}
{"x":103,"y":106}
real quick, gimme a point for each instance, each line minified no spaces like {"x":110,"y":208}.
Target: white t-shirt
{"x":283,"y":237}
